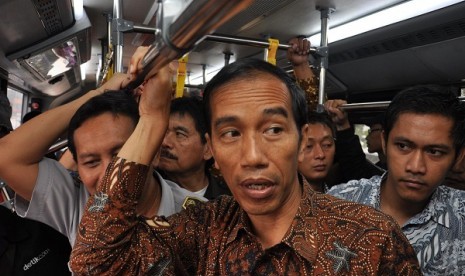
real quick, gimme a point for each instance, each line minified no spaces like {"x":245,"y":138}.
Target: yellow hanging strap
{"x":272,"y":49}
{"x":181,"y":76}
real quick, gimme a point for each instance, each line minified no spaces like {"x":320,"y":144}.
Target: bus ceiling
{"x":46,"y":42}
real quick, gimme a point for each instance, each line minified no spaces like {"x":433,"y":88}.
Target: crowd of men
{"x":147,"y":197}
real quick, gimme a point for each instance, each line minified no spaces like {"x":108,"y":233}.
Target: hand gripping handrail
{"x":199,"y":19}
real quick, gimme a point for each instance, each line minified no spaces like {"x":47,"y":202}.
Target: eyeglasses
{"x":374,"y":129}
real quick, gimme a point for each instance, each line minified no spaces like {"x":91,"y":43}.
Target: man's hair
{"x":429,"y":99}
{"x":251,"y":68}
{"x":322,"y":118}
{"x":114,"y":102}
{"x":191,"y":106}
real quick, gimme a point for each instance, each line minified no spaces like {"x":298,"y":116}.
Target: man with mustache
{"x":422,"y":139}
{"x":185,"y":156}
{"x":98,"y":123}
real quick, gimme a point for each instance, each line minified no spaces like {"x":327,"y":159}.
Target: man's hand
{"x":117,"y":82}
{"x":338,"y":115}
{"x":298,"y":53}
{"x":156,"y":93}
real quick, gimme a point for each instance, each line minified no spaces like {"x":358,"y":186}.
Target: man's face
{"x":456,"y":176}
{"x":255,"y":143}
{"x":182,"y":151}
{"x":374,"y":138}
{"x":318,"y":153}
{"x":419,"y":154}
{"x":97,"y":141}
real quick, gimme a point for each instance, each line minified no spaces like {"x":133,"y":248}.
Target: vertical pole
{"x":204,"y":69}
{"x":117,"y":38}
{"x":324,"y":59}
{"x":227,"y":57}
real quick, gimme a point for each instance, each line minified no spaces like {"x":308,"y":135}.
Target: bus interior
{"x":53,"y":51}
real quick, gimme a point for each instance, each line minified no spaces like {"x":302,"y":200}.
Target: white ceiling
{"x":297,"y":17}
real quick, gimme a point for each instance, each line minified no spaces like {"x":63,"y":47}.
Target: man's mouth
{"x":413,"y":183}
{"x":258,"y":188}
{"x":319,"y":167}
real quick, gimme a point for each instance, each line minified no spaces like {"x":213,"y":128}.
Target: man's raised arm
{"x":23,"y":148}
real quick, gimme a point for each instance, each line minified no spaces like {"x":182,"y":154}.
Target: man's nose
{"x":319,"y":153}
{"x":167,"y":140}
{"x":252,"y":152}
{"x":416,"y":163}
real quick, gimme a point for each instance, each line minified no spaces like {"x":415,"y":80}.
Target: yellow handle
{"x":181,"y":78}
{"x":272,"y":49}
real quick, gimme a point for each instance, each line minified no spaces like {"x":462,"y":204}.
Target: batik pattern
{"x":437,"y":234}
{"x":328,"y":236}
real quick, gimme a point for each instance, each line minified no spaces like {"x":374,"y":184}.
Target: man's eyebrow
{"x":266,"y":111}
{"x":87,"y":155}
{"x":276,"y":111}
{"x":224,"y":120}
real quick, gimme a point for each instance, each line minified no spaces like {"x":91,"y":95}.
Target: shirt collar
{"x":435,"y":210}
{"x":301,"y":236}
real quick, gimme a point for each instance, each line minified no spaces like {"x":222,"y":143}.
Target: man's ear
{"x":210,"y":149}
{"x":303,"y":142}
{"x":383,"y":142}
{"x":459,"y":164}
{"x":207,"y":152}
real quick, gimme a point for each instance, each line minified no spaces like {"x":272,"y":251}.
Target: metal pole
{"x":198,"y":19}
{"x":227,"y":57}
{"x":324,"y":59}
{"x":372,"y":105}
{"x":58,"y":146}
{"x":143,"y":29}
{"x":117,"y":36}
{"x":204,"y":77}
{"x":247,"y":41}
{"x":362,"y":106}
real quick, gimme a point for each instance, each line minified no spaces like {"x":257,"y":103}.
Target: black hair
{"x":247,"y":68}
{"x":322,"y":118}
{"x":193,"y":107}
{"x":429,"y":99}
{"x":114,"y":102}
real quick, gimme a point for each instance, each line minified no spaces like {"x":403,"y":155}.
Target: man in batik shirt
{"x":422,"y":138}
{"x":273,"y":225}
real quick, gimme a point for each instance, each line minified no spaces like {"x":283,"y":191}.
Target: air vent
{"x":247,"y":19}
{"x":49,"y":15}
{"x":253,"y":15}
{"x":419,"y":38}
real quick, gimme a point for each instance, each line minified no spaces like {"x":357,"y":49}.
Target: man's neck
{"x":318,"y":186}
{"x":193,"y":181}
{"x":270,"y":229}
{"x":391,"y":203}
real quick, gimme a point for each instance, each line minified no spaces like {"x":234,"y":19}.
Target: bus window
{"x":16,"y":100}
{"x":361,"y":131}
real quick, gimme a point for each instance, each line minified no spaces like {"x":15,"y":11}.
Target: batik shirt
{"x":328,"y":236}
{"x":437,"y":233}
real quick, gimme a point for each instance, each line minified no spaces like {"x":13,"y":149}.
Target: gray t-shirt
{"x":59,"y":201}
